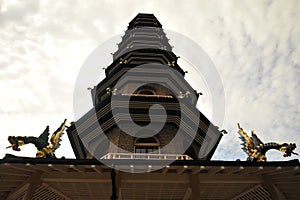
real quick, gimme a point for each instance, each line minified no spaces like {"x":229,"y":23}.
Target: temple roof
{"x":90,"y":179}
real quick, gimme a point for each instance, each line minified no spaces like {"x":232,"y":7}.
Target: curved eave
{"x":156,"y":74}
{"x":167,"y":56}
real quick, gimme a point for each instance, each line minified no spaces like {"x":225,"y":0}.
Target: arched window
{"x":146,"y":90}
{"x":147,"y":146}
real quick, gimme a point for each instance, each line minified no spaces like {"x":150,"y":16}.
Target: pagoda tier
{"x":151,"y":73}
{"x":100,"y":119}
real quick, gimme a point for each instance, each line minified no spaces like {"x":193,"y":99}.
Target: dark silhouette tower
{"x":144,"y":73}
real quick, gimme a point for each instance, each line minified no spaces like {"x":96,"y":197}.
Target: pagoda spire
{"x":144,"y":32}
{"x":144,"y":20}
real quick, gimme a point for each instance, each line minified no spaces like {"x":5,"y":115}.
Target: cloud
{"x":254,"y":45}
{"x":261,"y":73}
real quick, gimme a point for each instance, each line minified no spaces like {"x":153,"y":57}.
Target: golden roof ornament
{"x":44,"y":149}
{"x":256,"y":149}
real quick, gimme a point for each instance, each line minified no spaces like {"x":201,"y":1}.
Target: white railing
{"x":146,"y":156}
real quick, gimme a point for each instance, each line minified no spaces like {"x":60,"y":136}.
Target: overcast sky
{"x":253,"y":44}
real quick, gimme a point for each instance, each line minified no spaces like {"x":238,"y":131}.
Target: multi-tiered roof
{"x":162,"y":82}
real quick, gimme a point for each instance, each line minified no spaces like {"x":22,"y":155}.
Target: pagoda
{"x":144,"y":73}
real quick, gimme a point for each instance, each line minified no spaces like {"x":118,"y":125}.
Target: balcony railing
{"x":146,"y":156}
{"x":148,"y":95}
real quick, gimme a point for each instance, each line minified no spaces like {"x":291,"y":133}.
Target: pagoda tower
{"x":126,"y":122}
